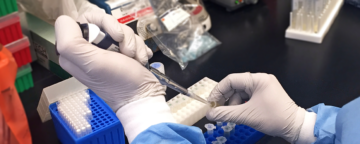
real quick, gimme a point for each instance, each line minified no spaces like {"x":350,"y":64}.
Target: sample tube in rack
{"x":221,"y":139}
{"x":227,"y":130}
{"x":232,"y":125}
{"x":219,"y":124}
{"x":210,"y":128}
{"x":216,"y":142}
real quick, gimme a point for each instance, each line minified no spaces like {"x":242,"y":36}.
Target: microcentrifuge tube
{"x":298,"y":21}
{"x":219,"y":124}
{"x":308,"y":23}
{"x":291,"y":20}
{"x":214,"y":104}
{"x":304,"y":22}
{"x":232,"y":125}
{"x":210,"y":127}
{"x":221,"y":139}
{"x":216,"y":142}
{"x":312,"y":24}
{"x":227,"y":130}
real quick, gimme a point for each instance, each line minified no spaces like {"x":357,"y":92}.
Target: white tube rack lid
{"x":188,"y":111}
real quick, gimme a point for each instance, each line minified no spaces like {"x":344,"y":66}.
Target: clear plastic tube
{"x":298,"y":21}
{"x":292,"y":20}
{"x":210,"y":128}
{"x":309,"y":24}
{"x":214,"y":104}
{"x":227,"y":130}
{"x":303,"y":22}
{"x":75,"y":111}
{"x":221,"y":139}
{"x":319,"y":22}
{"x":232,"y":125}
{"x":216,"y":142}
{"x":219,"y":124}
{"x":309,"y":15}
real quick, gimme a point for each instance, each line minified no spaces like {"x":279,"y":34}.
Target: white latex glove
{"x":130,"y":44}
{"x":117,"y":78}
{"x":131,"y":90}
{"x":269,"y":109}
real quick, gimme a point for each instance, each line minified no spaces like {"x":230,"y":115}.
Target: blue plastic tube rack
{"x":242,"y":135}
{"x":106,"y":127}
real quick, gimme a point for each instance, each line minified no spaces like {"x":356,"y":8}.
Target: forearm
{"x":319,"y":125}
{"x":170,"y":133}
{"x":306,"y":135}
{"x":139,"y":115}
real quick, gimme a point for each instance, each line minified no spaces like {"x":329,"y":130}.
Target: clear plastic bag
{"x":179,"y":36}
{"x":49,"y":10}
{"x":354,"y":2}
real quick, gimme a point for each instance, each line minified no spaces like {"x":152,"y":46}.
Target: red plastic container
{"x":10,"y":29}
{"x":20,"y":50}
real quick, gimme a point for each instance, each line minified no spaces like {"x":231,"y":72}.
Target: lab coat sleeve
{"x":337,"y":125}
{"x":138,"y":116}
{"x":348,"y":123}
{"x":168,"y":133}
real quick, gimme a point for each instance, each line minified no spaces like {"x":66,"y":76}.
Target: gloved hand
{"x":269,"y":109}
{"x":117,"y":78}
{"x":131,"y":90}
{"x":130,"y":44}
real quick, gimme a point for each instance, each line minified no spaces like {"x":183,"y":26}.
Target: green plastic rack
{"x":24,"y":79}
{"x":7,"y":7}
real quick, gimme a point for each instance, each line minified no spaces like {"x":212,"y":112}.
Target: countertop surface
{"x":253,"y":40}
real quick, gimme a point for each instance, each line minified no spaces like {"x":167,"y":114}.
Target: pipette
{"x":173,"y":85}
{"x":94,"y":35}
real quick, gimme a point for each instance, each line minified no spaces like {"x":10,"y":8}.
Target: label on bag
{"x":173,"y":18}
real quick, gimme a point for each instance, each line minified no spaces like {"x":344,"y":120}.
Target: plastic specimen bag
{"x":49,"y":10}
{"x":179,"y":36}
{"x":354,"y":2}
